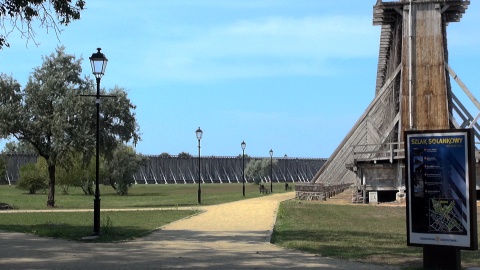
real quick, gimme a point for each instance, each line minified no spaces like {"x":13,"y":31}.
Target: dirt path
{"x":228,"y":236}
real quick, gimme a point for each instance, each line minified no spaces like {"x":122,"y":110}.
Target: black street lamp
{"x":99,"y":63}
{"x":243,"y":144}
{"x":199,"y":134}
{"x":286,"y":168}
{"x":271,"y":171}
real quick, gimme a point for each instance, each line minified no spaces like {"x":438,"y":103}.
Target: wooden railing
{"x":387,"y":151}
{"x":374,"y":152}
{"x":320,"y":192}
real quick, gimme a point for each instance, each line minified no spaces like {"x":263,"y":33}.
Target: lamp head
{"x":99,"y":63}
{"x":199,"y":133}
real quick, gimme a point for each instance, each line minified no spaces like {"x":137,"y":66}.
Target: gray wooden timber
{"x":318,"y":192}
{"x":175,"y":170}
{"x":13,"y":164}
{"x":372,"y":126}
{"x":377,"y":136}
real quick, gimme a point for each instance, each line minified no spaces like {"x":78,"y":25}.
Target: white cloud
{"x":274,"y":46}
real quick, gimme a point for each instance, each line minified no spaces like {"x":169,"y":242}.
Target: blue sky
{"x":292,"y":76}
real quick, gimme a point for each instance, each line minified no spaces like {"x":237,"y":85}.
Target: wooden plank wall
{"x":429,"y":91}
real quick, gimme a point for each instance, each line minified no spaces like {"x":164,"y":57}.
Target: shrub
{"x":121,"y":167}
{"x":165,"y":155}
{"x":32,"y":178}
{"x":78,"y":173}
{"x":259,"y":169}
{"x":184,"y":155}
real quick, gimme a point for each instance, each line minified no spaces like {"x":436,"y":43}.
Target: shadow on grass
{"x":76,"y":233}
{"x":166,"y":205}
{"x":114,"y":226}
{"x":113,"y":194}
{"x":350,"y":245}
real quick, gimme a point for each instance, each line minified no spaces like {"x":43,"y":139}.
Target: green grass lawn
{"x":115,"y":225}
{"x":139,"y":196}
{"x":374,"y":234}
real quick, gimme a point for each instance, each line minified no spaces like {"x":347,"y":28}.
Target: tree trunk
{"x":51,"y":185}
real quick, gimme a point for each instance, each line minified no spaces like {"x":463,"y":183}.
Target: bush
{"x":184,"y":155}
{"x":32,"y":178}
{"x":259,"y":169}
{"x":121,"y":167}
{"x":165,"y":155}
{"x":78,"y":173}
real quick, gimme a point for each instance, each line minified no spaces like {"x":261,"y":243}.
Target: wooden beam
{"x":397,"y":9}
{"x":445,"y":8}
{"x":359,"y":122}
{"x":474,"y":121}
{"x":390,"y":127}
{"x":463,"y":86}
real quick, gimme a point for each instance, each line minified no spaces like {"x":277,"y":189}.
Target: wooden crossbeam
{"x":462,"y":85}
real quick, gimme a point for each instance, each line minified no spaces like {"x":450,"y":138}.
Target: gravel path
{"x":228,"y":236}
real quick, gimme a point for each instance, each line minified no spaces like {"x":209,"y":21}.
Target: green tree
{"x":51,"y":115}
{"x":184,"y":155}
{"x":253,"y":170}
{"x":78,"y":173}
{"x":165,"y":155}
{"x":259,"y":169}
{"x":18,"y":147}
{"x":247,"y":157}
{"x":121,"y":167}
{"x":19,"y":16}
{"x":33,"y":177}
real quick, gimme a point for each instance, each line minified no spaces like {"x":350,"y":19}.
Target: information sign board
{"x":441,"y":195}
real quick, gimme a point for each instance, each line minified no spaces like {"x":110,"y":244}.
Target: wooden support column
{"x":441,"y":258}
{"x":425,"y":105}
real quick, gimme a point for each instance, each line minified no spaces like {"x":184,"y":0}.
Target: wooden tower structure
{"x":413,"y":92}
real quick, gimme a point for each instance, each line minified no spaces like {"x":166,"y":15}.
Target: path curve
{"x":234,"y":235}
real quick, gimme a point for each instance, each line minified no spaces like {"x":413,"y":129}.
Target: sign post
{"x":441,"y":195}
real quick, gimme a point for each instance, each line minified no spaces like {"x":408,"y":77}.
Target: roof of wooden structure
{"x":385,"y":12}
{"x":377,"y":126}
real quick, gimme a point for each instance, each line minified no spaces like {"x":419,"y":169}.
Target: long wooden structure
{"x":178,"y":170}
{"x":413,"y":92}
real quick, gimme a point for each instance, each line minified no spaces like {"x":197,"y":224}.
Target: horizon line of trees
{"x":117,"y":172}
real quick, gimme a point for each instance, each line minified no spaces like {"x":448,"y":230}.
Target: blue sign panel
{"x":441,"y":200}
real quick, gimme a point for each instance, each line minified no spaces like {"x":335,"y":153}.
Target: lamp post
{"x":286,"y":168}
{"x":271,"y":171}
{"x":99,"y":63}
{"x":243,"y":144}
{"x":199,"y":134}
